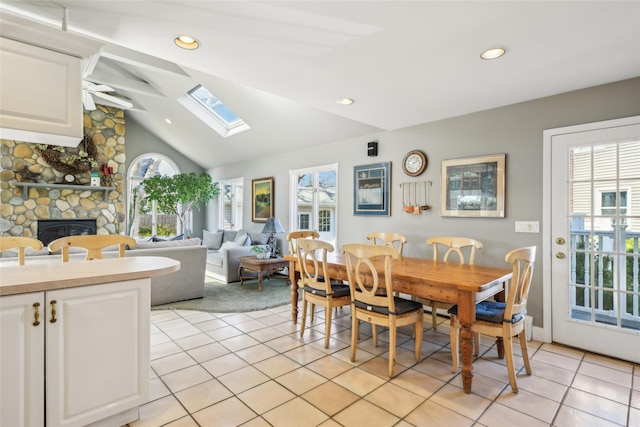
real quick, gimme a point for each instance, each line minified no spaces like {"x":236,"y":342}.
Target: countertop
{"x":44,"y":275}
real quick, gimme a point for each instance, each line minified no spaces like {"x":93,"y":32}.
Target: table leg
{"x":259,"y":280}
{"x":293,"y":277}
{"x":466,"y":315}
{"x":240,"y":274}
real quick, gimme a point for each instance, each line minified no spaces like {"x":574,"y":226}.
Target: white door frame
{"x":545,"y":333}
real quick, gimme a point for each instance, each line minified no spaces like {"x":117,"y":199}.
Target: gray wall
{"x":516,"y":130}
{"x":140,"y":141}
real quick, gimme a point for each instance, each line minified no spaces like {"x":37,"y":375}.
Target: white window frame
{"x":236,"y":203}
{"x":293,"y":203}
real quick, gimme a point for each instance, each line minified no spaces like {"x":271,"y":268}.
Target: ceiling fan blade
{"x":119,"y":101}
{"x":87,"y":101}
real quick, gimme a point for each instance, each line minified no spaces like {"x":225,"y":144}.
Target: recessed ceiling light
{"x":345,"y":101}
{"x":187,"y":42}
{"x":493,"y":53}
{"x":168,"y":120}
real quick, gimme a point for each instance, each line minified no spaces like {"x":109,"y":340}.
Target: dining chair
{"x":94,"y":244}
{"x":369,"y":273}
{"x":394,"y":240}
{"x":457,"y":246}
{"x":317,"y":288}
{"x":503,"y":319}
{"x":21,"y":243}
{"x":294,"y":235}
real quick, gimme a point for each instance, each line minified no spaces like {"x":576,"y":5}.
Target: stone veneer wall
{"x":18,"y":217}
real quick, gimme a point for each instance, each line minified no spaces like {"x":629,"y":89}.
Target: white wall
{"x":515,"y":130}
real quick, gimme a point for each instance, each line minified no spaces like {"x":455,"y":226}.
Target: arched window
{"x":142,"y":218}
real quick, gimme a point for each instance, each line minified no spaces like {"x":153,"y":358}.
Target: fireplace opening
{"x":51,"y":229}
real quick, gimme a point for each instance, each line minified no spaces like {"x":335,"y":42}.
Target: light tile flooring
{"x":253,"y":369}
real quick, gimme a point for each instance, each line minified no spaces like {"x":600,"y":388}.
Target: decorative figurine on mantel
{"x":25,"y":175}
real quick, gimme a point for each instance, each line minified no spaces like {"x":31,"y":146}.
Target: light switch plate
{"x":527,"y":227}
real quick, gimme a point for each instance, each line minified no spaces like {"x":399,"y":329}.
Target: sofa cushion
{"x":212,"y":240}
{"x":241,"y":239}
{"x":258,"y":238}
{"x":229,"y":235}
{"x":214,"y":258}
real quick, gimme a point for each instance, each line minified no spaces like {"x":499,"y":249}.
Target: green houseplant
{"x":179,"y":194}
{"x":261,"y":252}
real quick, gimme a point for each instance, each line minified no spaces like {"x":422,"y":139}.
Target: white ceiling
{"x":281,"y":65}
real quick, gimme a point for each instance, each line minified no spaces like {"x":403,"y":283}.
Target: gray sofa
{"x":186,"y":283}
{"x":225,"y":247}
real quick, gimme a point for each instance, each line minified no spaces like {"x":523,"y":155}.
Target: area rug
{"x":233,"y":298}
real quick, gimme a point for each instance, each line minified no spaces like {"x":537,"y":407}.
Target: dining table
{"x":461,"y":284}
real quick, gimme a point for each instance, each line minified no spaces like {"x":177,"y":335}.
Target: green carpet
{"x":233,"y":298}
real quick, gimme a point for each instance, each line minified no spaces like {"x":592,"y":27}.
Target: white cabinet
{"x":94,"y":343}
{"x":41,"y":94}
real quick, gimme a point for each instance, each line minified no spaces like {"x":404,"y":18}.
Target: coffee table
{"x":260,"y":266}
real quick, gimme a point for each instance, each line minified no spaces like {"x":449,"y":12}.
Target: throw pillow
{"x":212,"y":240}
{"x":241,"y":239}
{"x":258,"y":238}
{"x":230,"y":235}
{"x":226,"y":245}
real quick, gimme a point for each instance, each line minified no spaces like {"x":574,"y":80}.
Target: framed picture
{"x":473,"y":187}
{"x":262,"y":199}
{"x":371,"y":189}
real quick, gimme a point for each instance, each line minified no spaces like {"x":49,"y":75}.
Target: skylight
{"x":208,"y":108}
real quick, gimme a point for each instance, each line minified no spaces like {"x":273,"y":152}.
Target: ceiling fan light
{"x":187,"y":42}
{"x":493,"y":53}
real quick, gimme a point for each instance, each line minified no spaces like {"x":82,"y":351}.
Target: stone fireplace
{"x":20,"y":216}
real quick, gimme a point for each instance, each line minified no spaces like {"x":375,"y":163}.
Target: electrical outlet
{"x":527,"y":227}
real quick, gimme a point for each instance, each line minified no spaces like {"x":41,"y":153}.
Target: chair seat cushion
{"x":337,"y":290}
{"x":402,"y":306}
{"x":491,"y":311}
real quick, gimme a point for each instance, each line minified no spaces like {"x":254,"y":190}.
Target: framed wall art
{"x":262,"y":199}
{"x":473,"y":187}
{"x":371,"y":189}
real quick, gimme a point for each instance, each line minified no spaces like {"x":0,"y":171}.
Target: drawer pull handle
{"x":53,"y":311}
{"x":36,"y":314}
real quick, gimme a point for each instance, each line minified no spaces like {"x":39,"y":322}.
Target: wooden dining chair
{"x":294,"y":235}
{"x":21,"y":243}
{"x":457,"y":246}
{"x":394,"y":240}
{"x":316,"y":285}
{"x":369,"y":272}
{"x":503,"y":319}
{"x":94,"y":244}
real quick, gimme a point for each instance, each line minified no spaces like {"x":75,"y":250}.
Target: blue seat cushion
{"x":337,"y":290}
{"x":491,"y":311}
{"x":402,"y":306}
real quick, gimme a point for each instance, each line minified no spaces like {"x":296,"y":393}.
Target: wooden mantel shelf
{"x":25,"y":188}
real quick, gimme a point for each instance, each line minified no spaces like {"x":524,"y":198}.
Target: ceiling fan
{"x":91,"y":90}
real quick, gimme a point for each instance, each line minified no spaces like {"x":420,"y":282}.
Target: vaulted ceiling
{"x":281,"y":65}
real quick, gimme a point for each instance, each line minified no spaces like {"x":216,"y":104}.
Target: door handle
{"x":560,"y":255}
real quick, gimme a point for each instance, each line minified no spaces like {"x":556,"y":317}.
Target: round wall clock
{"x":414,"y":163}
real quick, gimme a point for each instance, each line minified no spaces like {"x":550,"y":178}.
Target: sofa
{"x":224,"y":249}
{"x":186,"y":283}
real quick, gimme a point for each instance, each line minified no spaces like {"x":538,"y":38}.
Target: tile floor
{"x":253,"y":369}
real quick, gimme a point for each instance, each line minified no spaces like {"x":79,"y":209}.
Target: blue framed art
{"x":371,"y":189}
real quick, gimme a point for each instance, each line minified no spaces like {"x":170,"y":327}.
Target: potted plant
{"x":179,"y":194}
{"x":260,"y":251}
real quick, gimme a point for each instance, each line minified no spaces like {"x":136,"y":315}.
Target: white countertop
{"x":43,"y":275}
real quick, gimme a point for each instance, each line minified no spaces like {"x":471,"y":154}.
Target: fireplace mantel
{"x":25,"y":188}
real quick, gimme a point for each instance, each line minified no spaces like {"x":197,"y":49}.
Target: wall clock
{"x":414,"y":163}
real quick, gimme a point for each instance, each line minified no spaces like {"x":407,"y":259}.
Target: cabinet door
{"x":22,"y":360}
{"x":97,"y":351}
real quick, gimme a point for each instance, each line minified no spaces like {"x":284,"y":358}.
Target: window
{"x":212,"y":111}
{"x":314,"y":200}
{"x":143,"y":219}
{"x":609,"y":203}
{"x":230,"y":204}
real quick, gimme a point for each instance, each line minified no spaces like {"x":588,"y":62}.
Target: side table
{"x":260,"y":266}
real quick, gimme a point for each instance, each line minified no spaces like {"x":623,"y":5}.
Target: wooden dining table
{"x":461,"y":284}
